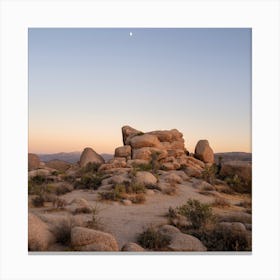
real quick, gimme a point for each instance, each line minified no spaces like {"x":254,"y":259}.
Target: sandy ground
{"x":126,"y":222}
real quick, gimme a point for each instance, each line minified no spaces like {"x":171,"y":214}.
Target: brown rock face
{"x":59,"y":165}
{"x":204,"y":152}
{"x":33,"y":162}
{"x":242,"y":169}
{"x":93,"y":240}
{"x":124,"y":151}
{"x":39,"y":236}
{"x":128,"y":132}
{"x":132,"y":247}
{"x":89,"y":155}
{"x":145,"y":140}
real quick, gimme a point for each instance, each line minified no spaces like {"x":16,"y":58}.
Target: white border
{"x":262,"y":16}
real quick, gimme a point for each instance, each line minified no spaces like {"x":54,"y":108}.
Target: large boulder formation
{"x":160,"y":149}
{"x":204,"y":152}
{"x":243,"y":169}
{"x":85,"y":239}
{"x":90,"y":156}
{"x":39,"y":235}
{"x":33,"y":162}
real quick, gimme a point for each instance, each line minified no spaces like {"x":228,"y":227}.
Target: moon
{"x":130,"y":34}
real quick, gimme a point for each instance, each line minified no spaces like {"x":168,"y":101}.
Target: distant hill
{"x":71,"y":157}
{"x":233,"y":156}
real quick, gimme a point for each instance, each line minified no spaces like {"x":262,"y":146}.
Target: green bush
{"x":38,"y":201}
{"x":38,"y":179}
{"x":209,"y":173}
{"x":197,"y":213}
{"x":239,"y":185}
{"x":90,"y":181}
{"x":153,"y":240}
{"x":91,"y":167}
{"x":219,"y":239}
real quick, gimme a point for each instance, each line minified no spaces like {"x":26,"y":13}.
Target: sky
{"x":86,"y":83}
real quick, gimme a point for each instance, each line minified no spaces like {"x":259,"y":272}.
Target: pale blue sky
{"x":84,"y":84}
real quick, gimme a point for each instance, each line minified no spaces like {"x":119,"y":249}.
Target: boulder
{"x":119,"y":179}
{"x":204,"y":152}
{"x":180,"y":241}
{"x":242,"y":169}
{"x":84,"y":236}
{"x":145,"y":178}
{"x":128,"y":132}
{"x":146,"y":153}
{"x":114,"y":163}
{"x":89,"y":155}
{"x":39,"y":172}
{"x":137,"y":162}
{"x":33,"y":162}
{"x":39,"y":235}
{"x":144,"y":140}
{"x":167,"y":135}
{"x":173,"y":178}
{"x":124,"y":151}
{"x":234,"y":227}
{"x":59,"y":165}
{"x":132,"y":247}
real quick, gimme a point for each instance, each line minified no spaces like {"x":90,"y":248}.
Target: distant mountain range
{"x":233,"y":156}
{"x":73,"y":157}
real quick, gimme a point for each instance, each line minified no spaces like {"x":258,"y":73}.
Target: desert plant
{"x":138,"y":198}
{"x":96,"y":221}
{"x":38,"y":201}
{"x":220,"y":239}
{"x":196,"y":212}
{"x":172,"y":213}
{"x":91,"y":167}
{"x":220,"y":202}
{"x":90,"y":181}
{"x":152,"y":239}
{"x":38,"y":179}
{"x":155,"y":165}
{"x":209,"y":173}
{"x":62,"y":231}
{"x":134,"y":187}
{"x":238,"y":184}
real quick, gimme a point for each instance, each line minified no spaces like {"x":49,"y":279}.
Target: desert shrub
{"x":144,"y":167}
{"x":225,"y":189}
{"x":117,"y":193}
{"x":96,"y":221}
{"x":219,"y":239}
{"x":220,"y":202}
{"x":62,"y":189}
{"x":55,"y":173}
{"x":90,"y":181}
{"x":196,"y":212}
{"x":38,"y":201}
{"x":152,"y":239}
{"x":209,"y":173}
{"x":170,"y":190}
{"x":172,"y":213}
{"x":69,"y":178}
{"x":38,"y":179}
{"x":155,"y":165}
{"x":62,"y":231}
{"x":239,"y":185}
{"x":138,"y":198}
{"x":91,"y":167}
{"x":135,"y":188}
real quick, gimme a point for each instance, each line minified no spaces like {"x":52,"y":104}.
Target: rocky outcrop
{"x":33,"y":162}
{"x":204,"y":152}
{"x":90,"y":156}
{"x":132,"y":247}
{"x":59,"y":165}
{"x":145,"y":178}
{"x":123,"y":151}
{"x":39,"y":235}
{"x":180,"y":241}
{"x":85,"y":239}
{"x":243,"y":169}
{"x":128,"y":132}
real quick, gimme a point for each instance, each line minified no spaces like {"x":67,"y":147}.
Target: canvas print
{"x":139,"y":140}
